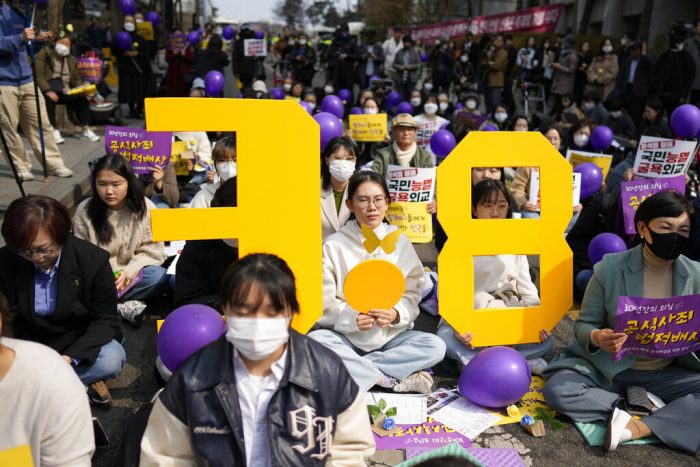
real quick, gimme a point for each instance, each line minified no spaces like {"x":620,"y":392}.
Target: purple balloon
{"x":392,"y":99}
{"x":123,"y":40}
{"x":356,"y":111}
{"x":458,"y":106}
{"x":496,"y":377}
{"x":489,"y":127}
{"x":685,"y":120}
{"x":128,"y":7}
{"x":153,"y":17}
{"x":442,"y":143}
{"x":345,"y":95}
{"x":374,"y":77}
{"x":591,"y":178}
{"x":194,"y":37}
{"x":603,"y":244}
{"x":186,"y":330}
{"x":334,"y":105}
{"x":228,"y":32}
{"x":601,"y":138}
{"x":214,"y":83}
{"x":404,"y":108}
{"x":277,"y":93}
{"x":306,"y":107}
{"x":423,"y":58}
{"x":331,"y":126}
{"x":259,"y":34}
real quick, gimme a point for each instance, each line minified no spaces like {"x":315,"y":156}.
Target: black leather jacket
{"x":315,"y":388}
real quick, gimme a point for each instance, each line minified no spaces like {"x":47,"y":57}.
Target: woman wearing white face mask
{"x":602,"y":73}
{"x":310,"y":98}
{"x":337,"y":166}
{"x":134,"y":69}
{"x":56,"y":72}
{"x":415,"y":99}
{"x":428,"y":123}
{"x":224,"y":156}
{"x":268,"y":379}
{"x":500,"y":116}
{"x":581,"y":135}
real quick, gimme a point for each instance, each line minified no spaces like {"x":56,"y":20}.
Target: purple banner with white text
{"x":632,"y":194}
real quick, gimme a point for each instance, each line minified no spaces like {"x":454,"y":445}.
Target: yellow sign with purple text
{"x":368,"y":128}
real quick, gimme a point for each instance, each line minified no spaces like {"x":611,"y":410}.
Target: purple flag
{"x":658,"y":327}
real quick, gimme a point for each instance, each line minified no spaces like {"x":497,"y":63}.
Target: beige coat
{"x":520,"y":188}
{"x":602,"y":74}
{"x":332,"y":221}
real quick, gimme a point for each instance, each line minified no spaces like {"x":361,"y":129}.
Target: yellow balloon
{"x":374,"y":284}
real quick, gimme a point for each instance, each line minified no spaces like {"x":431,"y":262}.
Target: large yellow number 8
{"x":468,"y":238}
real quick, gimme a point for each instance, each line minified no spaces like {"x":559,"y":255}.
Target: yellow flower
{"x":513,"y":411}
{"x":136,"y":45}
{"x":69,"y":27}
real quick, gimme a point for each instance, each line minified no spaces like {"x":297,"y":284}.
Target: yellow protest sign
{"x":145,"y":30}
{"x":368,"y":128}
{"x":20,"y":456}
{"x":528,"y":404}
{"x":365,"y":276}
{"x":179,"y":156}
{"x":412,"y":220}
{"x":469,"y":237}
{"x":580,"y":157}
{"x":288,"y":226}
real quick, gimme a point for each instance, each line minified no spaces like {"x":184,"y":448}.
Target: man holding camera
{"x":18,"y":99}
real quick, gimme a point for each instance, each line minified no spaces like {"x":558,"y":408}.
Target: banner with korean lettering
{"x":411,"y":184}
{"x":469,"y":120}
{"x":143,"y":149}
{"x":368,"y":128}
{"x":413,"y":220}
{"x":661,"y":157}
{"x":632,"y":194}
{"x":658,"y":327}
{"x":177,"y":42}
{"x":580,"y":157}
{"x":254,"y":47}
{"x":536,"y":19}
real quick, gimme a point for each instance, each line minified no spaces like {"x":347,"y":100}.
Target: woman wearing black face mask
{"x":586,"y":383}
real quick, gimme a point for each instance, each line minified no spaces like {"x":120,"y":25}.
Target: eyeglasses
{"x":341,"y":158}
{"x":41,"y":252}
{"x":363,"y":202}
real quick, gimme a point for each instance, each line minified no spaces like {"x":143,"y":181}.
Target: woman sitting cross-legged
{"x":586,"y":383}
{"x":378,"y":347}
{"x":500,"y":281}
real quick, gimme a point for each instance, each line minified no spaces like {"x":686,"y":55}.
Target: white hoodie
{"x":342,"y":251}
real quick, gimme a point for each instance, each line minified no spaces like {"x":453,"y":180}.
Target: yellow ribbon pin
{"x":388,"y":243}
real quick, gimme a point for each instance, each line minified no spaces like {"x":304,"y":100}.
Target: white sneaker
{"x":25,"y":176}
{"x":61,"y":171}
{"x":537,"y":366}
{"x":88,"y":135}
{"x":57,"y":136}
{"x":420,"y":382}
{"x":617,"y":430}
{"x":131,"y":310}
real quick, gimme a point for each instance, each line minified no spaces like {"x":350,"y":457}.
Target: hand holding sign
{"x":609,"y":340}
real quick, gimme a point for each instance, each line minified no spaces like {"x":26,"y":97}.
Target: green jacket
{"x":617,"y":274}
{"x":386,"y":156}
{"x":44,"y":69}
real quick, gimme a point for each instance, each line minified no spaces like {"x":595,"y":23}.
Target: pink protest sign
{"x":632,"y":194}
{"x":658,"y":327}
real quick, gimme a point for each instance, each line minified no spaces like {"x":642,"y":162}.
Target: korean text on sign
{"x":413,"y":220}
{"x":634,"y":192}
{"x":143,"y":149}
{"x":254,"y":47}
{"x":411,"y":184}
{"x":663,"y":157}
{"x":368,"y":128}
{"x":658,"y":327}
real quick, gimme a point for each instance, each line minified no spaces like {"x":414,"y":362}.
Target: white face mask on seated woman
{"x":226,"y":170}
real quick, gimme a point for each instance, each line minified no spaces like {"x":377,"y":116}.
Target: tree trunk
{"x":55,"y":14}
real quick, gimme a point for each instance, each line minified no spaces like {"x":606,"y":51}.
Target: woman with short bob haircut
{"x":246,"y":398}
{"x":61,"y":290}
{"x":117,"y":218}
{"x":586,"y":383}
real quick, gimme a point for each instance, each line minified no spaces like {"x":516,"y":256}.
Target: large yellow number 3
{"x":278,"y":185}
{"x":468,"y":237}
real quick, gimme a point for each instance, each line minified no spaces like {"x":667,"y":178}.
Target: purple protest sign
{"x":431,"y":434}
{"x":130,"y":284}
{"x":632,"y":194}
{"x":468,"y":119}
{"x":658,"y":327}
{"x":143,"y":149}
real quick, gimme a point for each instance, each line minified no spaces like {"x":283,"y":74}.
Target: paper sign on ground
{"x":411,"y":183}
{"x":412,"y":220}
{"x":369,"y":128}
{"x":528,"y":404}
{"x":430,"y":434}
{"x":662,"y":157}
{"x":580,"y":157}
{"x":658,"y":327}
{"x":634,"y":192}
{"x":486,"y":457}
{"x":534,"y":192}
{"x":465,"y":417}
{"x":254,"y":47}
{"x":143,"y":149}
{"x":410,"y":409}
